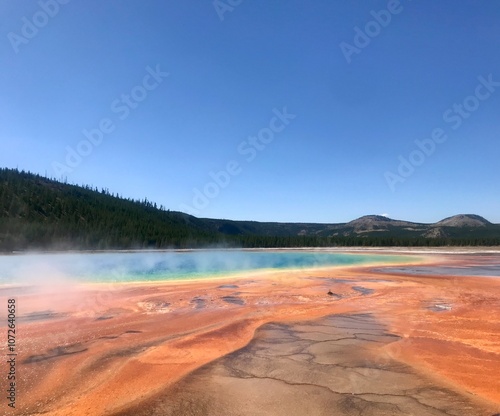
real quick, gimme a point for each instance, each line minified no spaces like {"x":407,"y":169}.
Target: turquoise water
{"x":171,"y":265}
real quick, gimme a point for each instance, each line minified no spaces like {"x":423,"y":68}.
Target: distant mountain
{"x":41,"y":213}
{"x":464,"y":220}
{"x":370,"y":226}
{"x":462,"y":225}
{"x":378,"y":223}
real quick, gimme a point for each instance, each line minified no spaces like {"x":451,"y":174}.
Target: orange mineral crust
{"x":108,"y":349}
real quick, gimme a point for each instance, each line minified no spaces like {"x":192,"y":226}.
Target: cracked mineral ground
{"x":329,"y":366}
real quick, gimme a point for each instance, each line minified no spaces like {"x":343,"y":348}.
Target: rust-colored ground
{"x":100,"y":350}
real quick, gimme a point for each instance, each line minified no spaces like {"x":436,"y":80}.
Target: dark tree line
{"x":255,"y":241}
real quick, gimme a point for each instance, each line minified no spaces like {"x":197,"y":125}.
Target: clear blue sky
{"x":362,"y":92}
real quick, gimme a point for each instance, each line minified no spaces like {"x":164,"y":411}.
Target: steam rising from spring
{"x":60,"y":270}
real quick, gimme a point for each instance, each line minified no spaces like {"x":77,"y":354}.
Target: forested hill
{"x":37,"y":213}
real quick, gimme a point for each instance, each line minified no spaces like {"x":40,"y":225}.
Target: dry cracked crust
{"x":331,"y":366}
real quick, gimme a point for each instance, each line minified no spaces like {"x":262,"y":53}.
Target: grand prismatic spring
{"x":232,"y":332}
